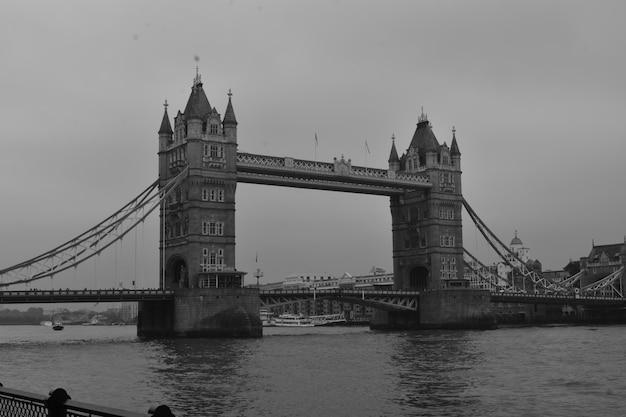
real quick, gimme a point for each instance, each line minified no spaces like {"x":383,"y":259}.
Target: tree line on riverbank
{"x":36,"y":315}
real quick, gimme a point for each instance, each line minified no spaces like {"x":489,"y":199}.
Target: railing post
{"x":55,"y":403}
{"x":161,"y":411}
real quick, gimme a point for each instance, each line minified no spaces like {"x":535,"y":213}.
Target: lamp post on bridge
{"x":258,"y":274}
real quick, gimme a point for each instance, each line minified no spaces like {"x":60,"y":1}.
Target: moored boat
{"x":267,"y":318}
{"x":57,"y":325}
{"x":293,"y":320}
{"x":328,"y":319}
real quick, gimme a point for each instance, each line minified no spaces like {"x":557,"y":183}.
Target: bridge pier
{"x":450,"y":308}
{"x":203,"y":312}
{"x":456,"y":308}
{"x":394,"y":320}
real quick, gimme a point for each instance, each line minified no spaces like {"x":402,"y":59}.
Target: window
{"x":205,"y":194}
{"x":446,"y":178}
{"x":212,"y":260}
{"x":446,"y":213}
{"x":213,"y":228}
{"x":216,"y":151}
{"x":448,"y":267}
{"x":423,"y":239}
{"x":213,"y":151}
{"x":216,"y":194}
{"x":446,"y":241}
{"x":213,"y":129}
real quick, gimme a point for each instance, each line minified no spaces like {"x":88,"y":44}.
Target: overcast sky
{"x":535,"y":89}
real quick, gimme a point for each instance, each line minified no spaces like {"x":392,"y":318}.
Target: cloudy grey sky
{"x":535,"y":89}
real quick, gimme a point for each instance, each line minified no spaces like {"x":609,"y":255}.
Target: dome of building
{"x":516,"y":241}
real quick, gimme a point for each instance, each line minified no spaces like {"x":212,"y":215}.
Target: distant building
{"x":602,"y":261}
{"x":378,"y":279}
{"x":298,"y":281}
{"x":128,"y":312}
{"x":556,"y":276}
{"x":509,"y":269}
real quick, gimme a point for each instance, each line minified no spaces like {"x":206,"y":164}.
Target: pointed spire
{"x":454,"y":147}
{"x":393,"y":156}
{"x":198,"y":106}
{"x":229,"y":116}
{"x":423,"y":117}
{"x":166,"y":127}
{"x":424,"y":139}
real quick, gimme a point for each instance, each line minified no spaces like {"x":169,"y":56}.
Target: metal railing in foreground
{"x":16,"y":403}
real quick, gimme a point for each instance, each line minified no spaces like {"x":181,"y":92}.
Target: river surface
{"x":329,"y":371}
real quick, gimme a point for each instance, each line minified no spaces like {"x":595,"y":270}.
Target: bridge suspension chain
{"x":508,"y":256}
{"x":607,"y":286}
{"x":92,"y":242}
{"x":494,"y":281}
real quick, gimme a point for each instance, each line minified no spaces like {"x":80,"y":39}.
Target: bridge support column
{"x":450,"y":308}
{"x":207,"y":312}
{"x":394,"y":320}
{"x":456,"y":308}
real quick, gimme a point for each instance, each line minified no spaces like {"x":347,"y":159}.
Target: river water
{"x":329,"y":371}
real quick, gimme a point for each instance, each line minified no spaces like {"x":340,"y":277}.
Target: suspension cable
{"x":93,"y":241}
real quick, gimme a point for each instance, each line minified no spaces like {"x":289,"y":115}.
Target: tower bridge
{"x":202,"y":289}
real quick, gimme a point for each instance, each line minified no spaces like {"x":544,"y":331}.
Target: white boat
{"x":293,"y":320}
{"x":267,"y":318}
{"x":328,"y":319}
{"x":57,"y":325}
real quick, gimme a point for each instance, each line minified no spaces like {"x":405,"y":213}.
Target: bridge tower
{"x":198,"y":221}
{"x":197,"y":228}
{"x":427,"y":239}
{"x":426,"y":224}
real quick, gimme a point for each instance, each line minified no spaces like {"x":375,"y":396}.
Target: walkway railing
{"x":15,"y":403}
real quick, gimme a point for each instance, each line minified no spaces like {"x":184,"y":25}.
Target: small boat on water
{"x":57,"y":325}
{"x":328,"y":319}
{"x":293,"y":320}
{"x":267,"y":318}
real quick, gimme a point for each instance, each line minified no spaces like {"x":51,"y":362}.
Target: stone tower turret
{"x":165,"y":140}
{"x":394,"y":161}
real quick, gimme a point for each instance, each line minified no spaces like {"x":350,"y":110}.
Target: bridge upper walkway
{"x":340,"y":175}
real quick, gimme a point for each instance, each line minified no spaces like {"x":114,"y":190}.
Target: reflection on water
{"x":343,"y":371}
{"x":434,"y":372}
{"x":212,"y":372}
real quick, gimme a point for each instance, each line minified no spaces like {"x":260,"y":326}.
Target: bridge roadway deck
{"x":82,"y":296}
{"x":409,"y":300}
{"x":381,"y":299}
{"x":522,"y":298}
{"x":386,"y":299}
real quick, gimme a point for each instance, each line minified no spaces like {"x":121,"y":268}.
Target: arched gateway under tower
{"x":197,"y":250}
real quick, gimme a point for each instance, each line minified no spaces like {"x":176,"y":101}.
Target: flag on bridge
{"x":367,"y":148}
